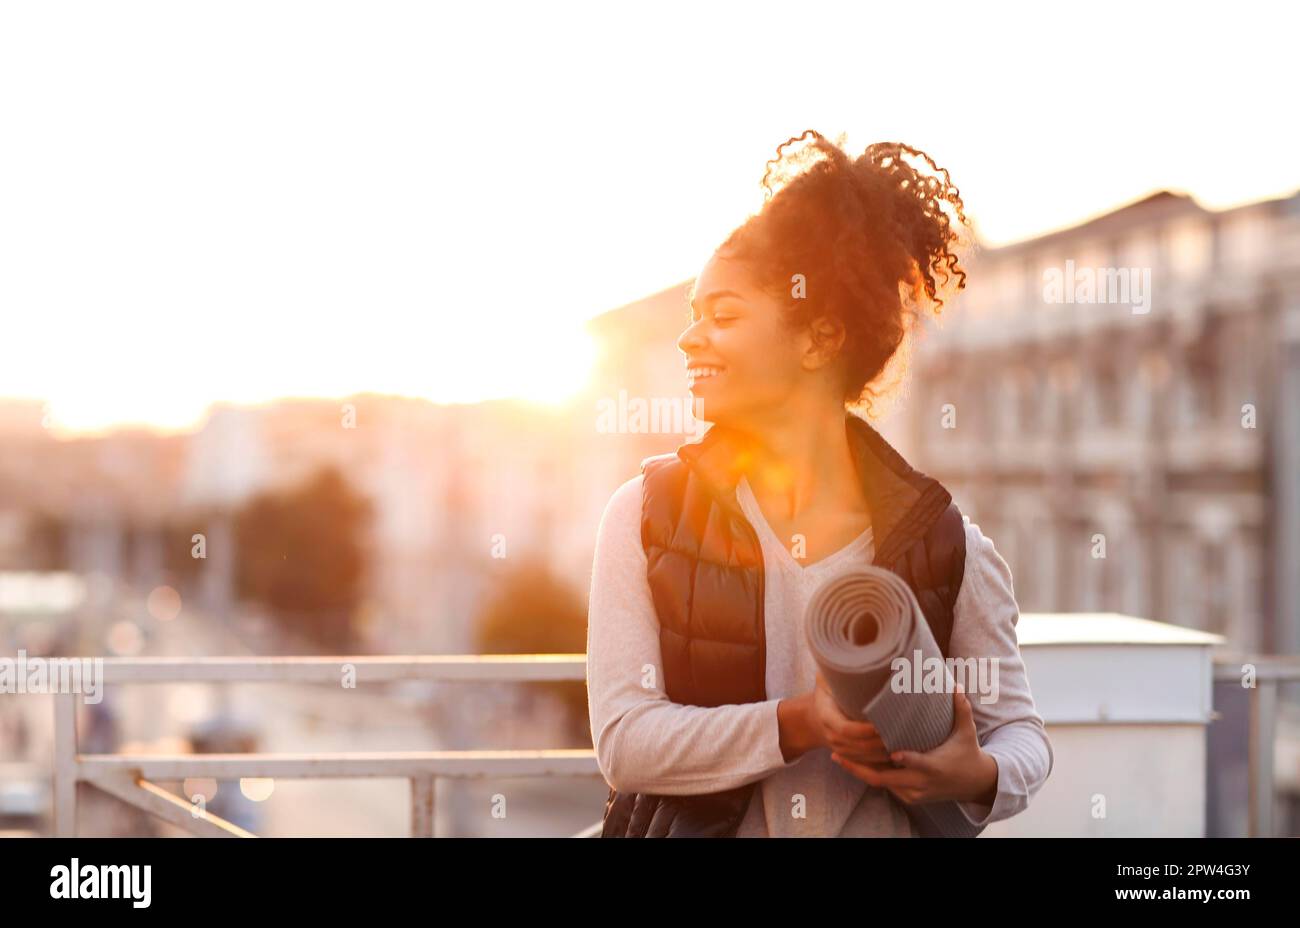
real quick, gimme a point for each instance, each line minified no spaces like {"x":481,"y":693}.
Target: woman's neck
{"x":804,"y":462}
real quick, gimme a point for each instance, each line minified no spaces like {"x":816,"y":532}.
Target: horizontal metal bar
{"x":331,"y":670}
{"x":404,"y":764}
{"x":1284,"y":668}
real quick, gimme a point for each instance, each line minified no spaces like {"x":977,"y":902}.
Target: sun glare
{"x":550,"y":369}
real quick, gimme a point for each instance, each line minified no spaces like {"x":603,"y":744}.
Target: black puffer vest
{"x":705,"y":570}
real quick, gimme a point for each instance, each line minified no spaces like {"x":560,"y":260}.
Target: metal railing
{"x":131,"y":778}
{"x":1270,"y":672}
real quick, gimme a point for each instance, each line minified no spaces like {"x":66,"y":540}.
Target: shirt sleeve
{"x":1008,"y":724}
{"x":644,"y":742}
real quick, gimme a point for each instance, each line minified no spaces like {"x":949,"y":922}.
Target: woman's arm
{"x":1008,"y":725}
{"x":644,"y":742}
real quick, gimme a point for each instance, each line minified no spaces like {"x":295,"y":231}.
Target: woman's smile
{"x":696,"y":376}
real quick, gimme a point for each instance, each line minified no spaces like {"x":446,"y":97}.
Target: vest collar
{"x":903,"y":502}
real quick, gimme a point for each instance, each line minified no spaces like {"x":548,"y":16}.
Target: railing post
{"x":422,"y":803}
{"x":65,"y":765}
{"x":1263,"y":726}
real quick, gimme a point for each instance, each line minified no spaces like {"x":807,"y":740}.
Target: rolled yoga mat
{"x":856,"y":624}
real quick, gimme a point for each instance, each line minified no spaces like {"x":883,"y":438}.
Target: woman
{"x":707,"y":711}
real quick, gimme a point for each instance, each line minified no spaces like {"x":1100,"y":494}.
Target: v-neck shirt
{"x":807,"y":573}
{"x":813,"y":795}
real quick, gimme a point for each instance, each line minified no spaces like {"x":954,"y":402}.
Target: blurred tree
{"x":534,"y":612}
{"x":47,"y":542}
{"x":302,"y":554}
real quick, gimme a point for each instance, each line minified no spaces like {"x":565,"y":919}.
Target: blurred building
{"x":1165,"y":436}
{"x":87,"y":504}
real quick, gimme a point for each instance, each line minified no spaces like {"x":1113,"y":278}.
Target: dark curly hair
{"x":874,"y":243}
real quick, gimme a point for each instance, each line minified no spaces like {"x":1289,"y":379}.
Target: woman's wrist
{"x":794,"y":722}
{"x":987,"y":788}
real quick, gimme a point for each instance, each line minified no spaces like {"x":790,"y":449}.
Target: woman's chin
{"x":707,"y":410}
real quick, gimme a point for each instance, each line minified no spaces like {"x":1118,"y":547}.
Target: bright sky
{"x":244,"y":200}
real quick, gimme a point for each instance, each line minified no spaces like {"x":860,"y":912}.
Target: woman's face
{"x":737,"y":330}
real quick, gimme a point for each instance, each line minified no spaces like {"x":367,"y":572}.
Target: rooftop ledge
{"x":1111,"y":628}
{"x":1109,"y":669}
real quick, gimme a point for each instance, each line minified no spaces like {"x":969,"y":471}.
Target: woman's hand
{"x":849,"y":738}
{"x":813,"y":720}
{"x":959,"y":769}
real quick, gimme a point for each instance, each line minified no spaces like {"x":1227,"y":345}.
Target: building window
{"x":1106,"y":395}
{"x":1139,"y":250}
{"x":1205,"y":374}
{"x":1191,"y":246}
{"x":1243,"y":241}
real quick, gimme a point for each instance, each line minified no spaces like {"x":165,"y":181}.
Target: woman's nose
{"x":690,"y":339}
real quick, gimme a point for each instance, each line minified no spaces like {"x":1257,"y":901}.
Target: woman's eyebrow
{"x":715,"y":296}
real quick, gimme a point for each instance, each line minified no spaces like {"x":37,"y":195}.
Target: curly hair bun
{"x":876,"y":240}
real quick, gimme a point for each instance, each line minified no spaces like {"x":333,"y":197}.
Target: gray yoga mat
{"x":856,"y":623}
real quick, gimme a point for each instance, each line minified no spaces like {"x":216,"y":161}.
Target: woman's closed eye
{"x":717,"y":320}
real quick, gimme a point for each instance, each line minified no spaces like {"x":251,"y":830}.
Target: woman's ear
{"x":827,"y":339}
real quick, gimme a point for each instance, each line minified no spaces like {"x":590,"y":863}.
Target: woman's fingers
{"x":840,"y":725}
{"x":872,"y":748}
{"x":883,"y":778}
{"x":835,"y":725}
{"x":849,"y":730}
{"x":874,"y":758}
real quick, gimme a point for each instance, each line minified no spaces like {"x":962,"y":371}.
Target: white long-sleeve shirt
{"x":646,"y":743}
